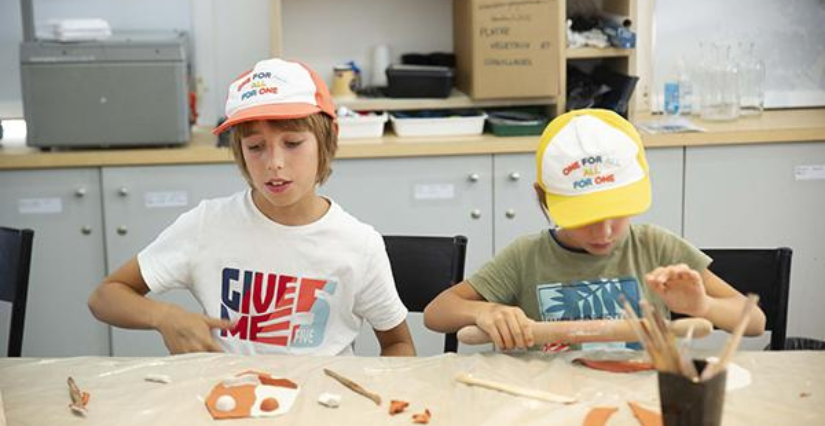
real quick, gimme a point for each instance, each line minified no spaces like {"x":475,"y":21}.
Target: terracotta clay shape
{"x":598,"y":416}
{"x":644,"y":416}
{"x":397,"y":406}
{"x":422,"y":418}
{"x":614,"y":366}
{"x":79,"y":398}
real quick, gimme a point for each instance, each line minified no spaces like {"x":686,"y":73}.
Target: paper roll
{"x":380,"y":62}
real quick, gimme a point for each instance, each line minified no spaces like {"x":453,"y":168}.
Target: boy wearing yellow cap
{"x":592,"y":178}
{"x":277,"y":268}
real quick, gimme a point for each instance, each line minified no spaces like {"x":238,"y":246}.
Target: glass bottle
{"x":720,"y":95}
{"x":751,"y":81}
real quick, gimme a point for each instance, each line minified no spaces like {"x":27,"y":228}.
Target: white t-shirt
{"x":293,"y":289}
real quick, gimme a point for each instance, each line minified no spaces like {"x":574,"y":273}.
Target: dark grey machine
{"x":129,"y":90}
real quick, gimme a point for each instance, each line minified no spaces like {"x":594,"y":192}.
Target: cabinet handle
{"x":514,"y":176}
{"x":123,"y":191}
{"x":510,"y":213}
{"x":475,"y":214}
{"x":122,"y":230}
{"x":473,"y":177}
{"x":80,"y":192}
{"x":86,"y":230}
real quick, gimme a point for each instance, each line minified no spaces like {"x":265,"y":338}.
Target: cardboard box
{"x":507,"y":48}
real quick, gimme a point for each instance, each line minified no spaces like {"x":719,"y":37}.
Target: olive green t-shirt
{"x":550,"y":282}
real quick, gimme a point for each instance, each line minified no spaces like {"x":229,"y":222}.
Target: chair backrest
{"x":766,"y":272}
{"x":425,"y":266}
{"x":15,"y":260}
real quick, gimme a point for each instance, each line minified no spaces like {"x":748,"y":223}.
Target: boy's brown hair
{"x":321,"y":125}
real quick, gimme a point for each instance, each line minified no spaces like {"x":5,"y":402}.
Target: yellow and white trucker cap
{"x":592,"y":167}
{"x":276,"y":89}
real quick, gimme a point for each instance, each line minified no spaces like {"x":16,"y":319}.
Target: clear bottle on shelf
{"x":751,"y":81}
{"x":720,"y":92}
{"x":686,"y":92}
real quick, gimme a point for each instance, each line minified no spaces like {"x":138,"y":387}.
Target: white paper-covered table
{"x":787,"y":389}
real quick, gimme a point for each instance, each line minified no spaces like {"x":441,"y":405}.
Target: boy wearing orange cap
{"x":277,"y":268}
{"x":592,"y":178}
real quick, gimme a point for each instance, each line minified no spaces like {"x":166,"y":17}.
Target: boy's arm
{"x":396,"y":341}
{"x":705,"y":295}
{"x":119,"y":300}
{"x":461,"y":305}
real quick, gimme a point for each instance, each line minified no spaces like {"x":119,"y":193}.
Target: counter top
{"x":796,"y":125}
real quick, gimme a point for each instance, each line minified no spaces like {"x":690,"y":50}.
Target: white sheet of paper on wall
{"x":40,"y":205}
{"x":434,"y":191}
{"x":809,"y":172}
{"x":164,"y":199}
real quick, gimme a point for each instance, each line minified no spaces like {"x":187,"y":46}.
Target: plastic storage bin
{"x":513,"y":123}
{"x":361,"y":126}
{"x":438,"y":123}
{"x":419,"y":81}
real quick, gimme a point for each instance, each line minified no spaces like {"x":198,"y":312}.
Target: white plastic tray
{"x":362,"y":126}
{"x":442,"y":126}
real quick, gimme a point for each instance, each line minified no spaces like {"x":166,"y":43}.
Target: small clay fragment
{"x":598,"y":416}
{"x":397,"y":406}
{"x":644,"y":416}
{"x":422,"y":418}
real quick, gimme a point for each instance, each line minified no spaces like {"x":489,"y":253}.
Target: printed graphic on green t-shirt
{"x":588,"y":300}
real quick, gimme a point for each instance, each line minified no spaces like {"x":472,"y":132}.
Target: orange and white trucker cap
{"x":276,"y":89}
{"x":592,"y":167}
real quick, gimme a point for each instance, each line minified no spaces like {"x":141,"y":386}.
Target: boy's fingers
{"x":219,"y":323}
{"x":516,"y":332}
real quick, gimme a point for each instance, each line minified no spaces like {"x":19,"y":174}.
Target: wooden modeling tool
{"x":355,"y":387}
{"x":589,"y":331}
{"x":471,"y":380}
{"x":733,"y":341}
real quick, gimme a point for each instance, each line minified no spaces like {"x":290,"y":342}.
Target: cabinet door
{"x":419,"y":196}
{"x":139,"y":202}
{"x":516,"y":208}
{"x":666,"y":178}
{"x":63,"y":209}
{"x":764,"y":196}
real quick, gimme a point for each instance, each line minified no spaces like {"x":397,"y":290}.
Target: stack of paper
{"x":79,"y":29}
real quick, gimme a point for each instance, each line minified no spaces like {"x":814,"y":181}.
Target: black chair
{"x":766,"y":272}
{"x":15,"y":260}
{"x":423,"y":267}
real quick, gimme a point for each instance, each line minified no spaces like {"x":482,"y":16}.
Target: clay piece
{"x":644,"y":416}
{"x":614,"y":366}
{"x":397,"y":406}
{"x":598,"y":416}
{"x":79,"y":398}
{"x":331,"y":400}
{"x":422,"y":418}
{"x":251,"y":394}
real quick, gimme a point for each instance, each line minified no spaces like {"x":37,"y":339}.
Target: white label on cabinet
{"x":812,"y":172}
{"x":163,"y":199}
{"x":434,"y":191}
{"x":40,"y":205}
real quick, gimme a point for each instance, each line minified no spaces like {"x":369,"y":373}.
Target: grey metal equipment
{"x":128,"y":90}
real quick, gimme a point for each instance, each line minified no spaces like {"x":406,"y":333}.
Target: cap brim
{"x":580,"y":210}
{"x":267,"y":112}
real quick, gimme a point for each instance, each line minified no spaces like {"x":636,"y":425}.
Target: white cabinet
{"x":419,"y":196}
{"x":138,"y":203}
{"x":763,"y":196}
{"x":62,"y":206}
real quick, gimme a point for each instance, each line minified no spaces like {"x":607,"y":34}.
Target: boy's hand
{"x":185,"y":331}
{"x":507,"y":326}
{"x":681,"y":288}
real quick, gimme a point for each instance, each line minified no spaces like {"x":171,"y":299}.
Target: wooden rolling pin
{"x":618,"y":330}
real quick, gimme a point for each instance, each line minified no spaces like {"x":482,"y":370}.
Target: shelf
{"x":595,"y":53}
{"x":456,"y":100}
